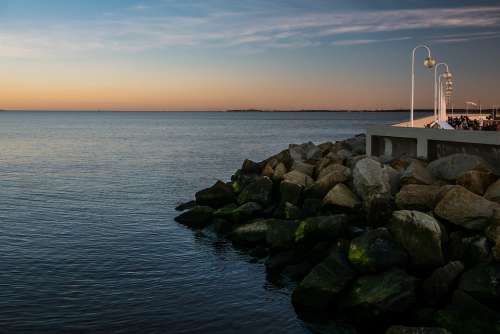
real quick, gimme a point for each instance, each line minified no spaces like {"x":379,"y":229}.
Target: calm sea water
{"x":88,"y":243}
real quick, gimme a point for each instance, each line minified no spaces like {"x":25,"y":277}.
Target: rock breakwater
{"x":376,"y":245}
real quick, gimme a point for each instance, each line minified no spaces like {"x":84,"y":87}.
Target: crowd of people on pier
{"x":466,"y":123}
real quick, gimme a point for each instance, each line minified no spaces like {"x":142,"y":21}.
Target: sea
{"x":88,"y":242}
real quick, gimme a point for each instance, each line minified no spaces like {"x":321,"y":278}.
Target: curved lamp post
{"x":448,"y":88}
{"x":429,"y":62}
{"x":467,"y":106}
{"x":436,"y":88}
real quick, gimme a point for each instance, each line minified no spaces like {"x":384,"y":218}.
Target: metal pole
{"x":436,"y":88}
{"x":413,"y":79}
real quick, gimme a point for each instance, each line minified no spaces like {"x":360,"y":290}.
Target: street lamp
{"x":429,"y":62}
{"x":448,"y":90}
{"x":448,"y":77}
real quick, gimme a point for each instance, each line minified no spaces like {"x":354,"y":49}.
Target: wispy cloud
{"x":139,"y":32}
{"x":467,"y":37}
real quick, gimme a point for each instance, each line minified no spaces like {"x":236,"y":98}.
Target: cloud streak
{"x":137,"y":33}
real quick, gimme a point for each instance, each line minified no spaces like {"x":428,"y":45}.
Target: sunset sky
{"x":224,"y":54}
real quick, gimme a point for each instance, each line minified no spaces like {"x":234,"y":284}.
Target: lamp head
{"x":429,"y":62}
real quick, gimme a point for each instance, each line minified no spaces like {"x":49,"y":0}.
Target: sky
{"x":239,"y":54}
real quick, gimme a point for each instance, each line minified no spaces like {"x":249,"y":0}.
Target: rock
{"x":259,"y":191}
{"x":304,"y":152}
{"x":343,"y":197}
{"x":299,"y":178}
{"x":416,"y":330}
{"x":345,"y":154}
{"x":376,"y":295}
{"x":476,"y":181}
{"x":482,"y":282}
{"x":340,"y":171}
{"x":281,"y":233}
{"x":378,"y":210}
{"x":259,"y":252}
{"x":323,"y":283}
{"x":322,"y":228}
{"x":331,"y":328}
{"x":376,"y":251}
{"x":250,"y":167}
{"x":357,"y":144}
{"x":417,"y":197}
{"x":268,"y":170}
{"x":222,"y":226}
{"x":197,"y":217}
{"x":420,"y":235}
{"x":493,"y":234}
{"x":493,"y":192}
{"x":464,"y":208}
{"x":240,"y":214}
{"x":465,"y":315}
{"x":440,"y":283}
{"x":311,"y":207}
{"x":370,"y":179}
{"x":278,"y":261}
{"x":451,"y":167}
{"x":290,"y":192}
{"x":280,"y":171}
{"x":417,"y":173}
{"x":330,"y":159}
{"x":291,"y":211}
{"x":185,"y":206}
{"x":303,"y":167}
{"x":239,"y":181}
{"x":468,"y":248}
{"x":252,"y":233}
{"x":394,"y":178}
{"x":217,"y":196}
{"x":298,"y":271}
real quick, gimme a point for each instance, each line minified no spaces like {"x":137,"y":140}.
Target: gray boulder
{"x":417,"y":197}
{"x":304,"y":152}
{"x":219,"y":195}
{"x":330,"y":159}
{"x":197,"y":217}
{"x":441,"y":282}
{"x":303,"y":167}
{"x":493,"y":192}
{"x":260,"y":191}
{"x":420,"y":235}
{"x":370,"y":179}
{"x":343,"y":197}
{"x":325,"y":281}
{"x":417,"y":173}
{"x":375,"y":295}
{"x":451,"y":167}
{"x":376,"y":251}
{"x":357,"y":144}
{"x":298,"y":178}
{"x":335,"y":174}
{"x":462,"y":207}
{"x":290,"y":192}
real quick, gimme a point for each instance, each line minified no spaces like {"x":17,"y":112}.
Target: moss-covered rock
{"x":376,"y":251}
{"x":239,"y":214}
{"x":376,"y":295}
{"x":440,"y":283}
{"x":322,"y":228}
{"x":465,"y":315}
{"x":323,"y":283}
{"x":290,"y":192}
{"x":281,"y":233}
{"x":260,"y":191}
{"x":197,"y":217}
{"x":252,"y":233}
{"x":217,"y":196}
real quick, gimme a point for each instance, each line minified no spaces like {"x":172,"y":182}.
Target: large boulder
{"x":342,"y":196}
{"x":417,"y":197}
{"x":493,"y":234}
{"x":298,"y":178}
{"x":375,"y":295}
{"x":465,"y":315}
{"x":319,"y":288}
{"x":476,"y":181}
{"x":468,"y":247}
{"x":417,"y":173}
{"x":279,"y":171}
{"x":356,"y":144}
{"x":239,"y":214}
{"x":420,"y":235}
{"x":197,"y":217}
{"x":416,"y":330}
{"x":370,"y":179}
{"x":376,"y":251}
{"x":330,"y":159}
{"x":322,"y":228}
{"x":493,"y":192}
{"x":253,"y":233}
{"x":219,"y":195}
{"x":305,"y":152}
{"x":260,"y":191}
{"x":290,"y":192}
{"x":303,"y":167}
{"x":441,"y":282}
{"x":251,"y":167}
{"x":451,"y":167}
{"x":462,"y":207}
{"x":482,"y":282}
{"x":335,"y":174}
{"x":281,"y":234}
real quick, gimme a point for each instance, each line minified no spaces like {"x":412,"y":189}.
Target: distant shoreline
{"x":231,"y":111}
